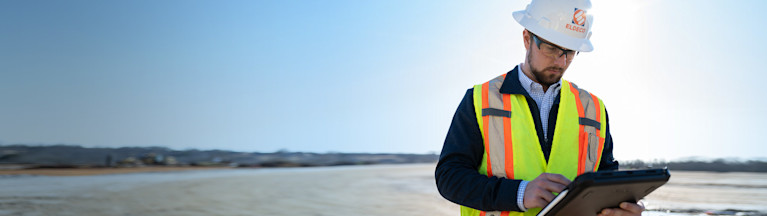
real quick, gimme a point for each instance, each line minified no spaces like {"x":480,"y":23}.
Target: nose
{"x":561,"y":61}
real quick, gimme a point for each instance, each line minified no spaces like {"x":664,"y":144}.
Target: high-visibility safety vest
{"x":512,"y":149}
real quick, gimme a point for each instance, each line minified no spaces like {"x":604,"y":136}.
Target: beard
{"x":541,"y":77}
{"x":547,"y":79}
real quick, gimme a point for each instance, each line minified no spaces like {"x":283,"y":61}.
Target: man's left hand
{"x":626,"y":208}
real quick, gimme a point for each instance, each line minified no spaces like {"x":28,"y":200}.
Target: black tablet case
{"x":589,"y":193}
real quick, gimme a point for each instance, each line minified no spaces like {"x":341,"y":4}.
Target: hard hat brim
{"x":558,"y":38}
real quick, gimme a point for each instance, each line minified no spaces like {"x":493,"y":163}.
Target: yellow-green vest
{"x":512,"y":149}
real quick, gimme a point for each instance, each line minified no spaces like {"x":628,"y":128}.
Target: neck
{"x":528,"y":72}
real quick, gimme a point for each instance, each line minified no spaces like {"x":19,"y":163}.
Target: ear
{"x":526,"y":38}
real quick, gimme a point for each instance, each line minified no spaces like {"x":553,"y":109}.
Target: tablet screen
{"x":589,"y":193}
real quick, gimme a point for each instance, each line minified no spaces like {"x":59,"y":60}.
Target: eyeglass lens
{"x":552,"y":50}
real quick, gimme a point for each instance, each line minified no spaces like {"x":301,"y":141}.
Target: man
{"x":523,"y":136}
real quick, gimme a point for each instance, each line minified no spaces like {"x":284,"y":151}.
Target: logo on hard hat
{"x":579,"y":17}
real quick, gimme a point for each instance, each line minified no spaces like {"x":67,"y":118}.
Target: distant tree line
{"x":73,"y":156}
{"x":718,"y":165}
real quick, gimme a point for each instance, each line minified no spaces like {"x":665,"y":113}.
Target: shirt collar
{"x":525,"y":81}
{"x":528,"y":83}
{"x":512,"y":84}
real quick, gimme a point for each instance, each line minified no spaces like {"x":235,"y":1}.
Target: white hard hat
{"x":563,"y":22}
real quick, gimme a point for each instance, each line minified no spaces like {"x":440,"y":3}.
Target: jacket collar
{"x":512,"y":85}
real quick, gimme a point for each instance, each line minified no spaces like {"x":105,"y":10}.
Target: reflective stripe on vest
{"x":511,"y":144}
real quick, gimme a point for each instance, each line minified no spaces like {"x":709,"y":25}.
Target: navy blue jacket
{"x":456,"y":174}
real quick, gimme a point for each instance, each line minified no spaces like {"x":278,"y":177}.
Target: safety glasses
{"x":554,"y":51}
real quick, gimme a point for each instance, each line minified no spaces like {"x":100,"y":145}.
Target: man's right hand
{"x":539,"y":192}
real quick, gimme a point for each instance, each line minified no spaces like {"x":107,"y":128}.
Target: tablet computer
{"x":591,"y":192}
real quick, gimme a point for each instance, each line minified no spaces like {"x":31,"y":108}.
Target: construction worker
{"x":521,"y":137}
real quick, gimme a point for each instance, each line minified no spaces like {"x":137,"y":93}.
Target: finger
{"x":631,"y":207}
{"x":546,"y":195}
{"x":536,"y":202}
{"x":605,"y":212}
{"x":552,"y":186}
{"x":537,"y":197}
{"x":558,"y":178}
{"x":540,"y":203}
{"x":617,"y":212}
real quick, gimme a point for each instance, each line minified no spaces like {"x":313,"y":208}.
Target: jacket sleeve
{"x":608,"y":162}
{"x":456,"y":174}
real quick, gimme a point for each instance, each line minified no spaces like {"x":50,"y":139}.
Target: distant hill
{"x":716,"y":165}
{"x":71,"y":155}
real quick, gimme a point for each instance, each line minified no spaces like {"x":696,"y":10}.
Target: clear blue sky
{"x":679,"y":78}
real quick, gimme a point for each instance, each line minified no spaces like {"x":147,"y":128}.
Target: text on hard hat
{"x":575,"y":28}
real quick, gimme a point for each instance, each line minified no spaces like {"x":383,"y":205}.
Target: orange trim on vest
{"x":509,"y":148}
{"x":582,"y":139}
{"x":599,"y":156}
{"x":506,"y":213}
{"x":599,"y":134}
{"x":485,"y":122}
